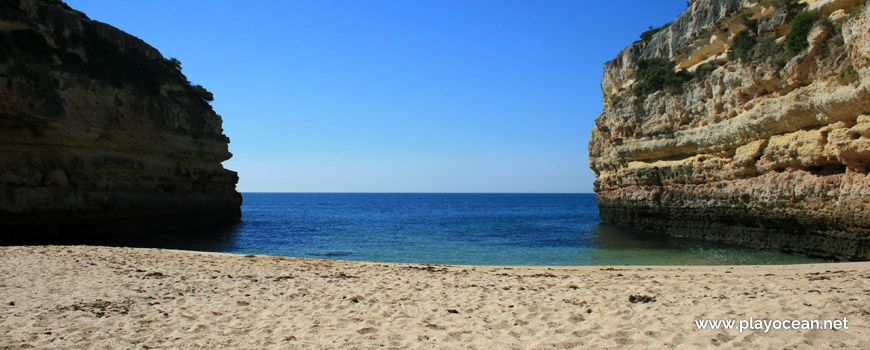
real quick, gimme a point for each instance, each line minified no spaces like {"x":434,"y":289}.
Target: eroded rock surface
{"x":97,"y":128}
{"x":771,"y":150}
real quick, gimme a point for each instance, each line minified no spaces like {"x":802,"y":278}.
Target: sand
{"x":99,"y":297}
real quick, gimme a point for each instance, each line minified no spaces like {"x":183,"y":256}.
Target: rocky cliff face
{"x":97,"y":128}
{"x":762,"y":140}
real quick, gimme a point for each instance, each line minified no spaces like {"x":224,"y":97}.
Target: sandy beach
{"x":98,"y":297}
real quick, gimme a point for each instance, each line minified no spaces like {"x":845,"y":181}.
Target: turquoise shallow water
{"x":476,"y":229}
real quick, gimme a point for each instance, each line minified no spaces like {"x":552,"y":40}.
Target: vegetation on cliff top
{"x":647,"y":35}
{"x":104,"y":59}
{"x":654,"y":74}
{"x":205,"y":94}
{"x":106,"y":62}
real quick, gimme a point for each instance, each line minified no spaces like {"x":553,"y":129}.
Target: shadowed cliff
{"x":100,"y":134}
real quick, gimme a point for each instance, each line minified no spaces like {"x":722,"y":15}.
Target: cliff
{"x":97,"y":130}
{"x":746,"y":122}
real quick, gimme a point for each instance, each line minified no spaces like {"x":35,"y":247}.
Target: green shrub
{"x":741,"y":45}
{"x":796,"y":40}
{"x":205,"y":94}
{"x":791,"y":7}
{"x":767,"y":48}
{"x":647,"y":35}
{"x":108,"y":62}
{"x":655,"y":74}
{"x":64,"y":6}
{"x":848,"y":72}
{"x":173,"y":64}
{"x":704,"y":70}
{"x":751,"y":24}
{"x":60,"y":3}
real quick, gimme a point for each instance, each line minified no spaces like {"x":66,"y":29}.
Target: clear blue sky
{"x":397,"y":96}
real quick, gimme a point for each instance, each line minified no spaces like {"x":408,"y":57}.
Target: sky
{"x":398,"y":96}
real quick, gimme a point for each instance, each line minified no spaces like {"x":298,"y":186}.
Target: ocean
{"x":472,"y":229}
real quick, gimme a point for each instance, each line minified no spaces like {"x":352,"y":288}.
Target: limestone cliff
{"x":759,"y":134}
{"x":97,"y":129}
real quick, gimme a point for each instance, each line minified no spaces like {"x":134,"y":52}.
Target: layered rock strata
{"x":762,"y":147}
{"x":98,"y":130}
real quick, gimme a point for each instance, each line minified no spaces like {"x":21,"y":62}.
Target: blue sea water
{"x":477,"y":229}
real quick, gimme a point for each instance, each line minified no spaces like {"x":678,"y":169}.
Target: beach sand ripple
{"x":98,"y":297}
